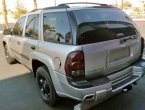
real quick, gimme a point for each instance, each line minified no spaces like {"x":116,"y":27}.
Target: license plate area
{"x":119,"y":54}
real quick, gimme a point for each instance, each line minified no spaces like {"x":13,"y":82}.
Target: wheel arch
{"x":36,"y":64}
{"x":4,"y":43}
{"x":39,"y":59}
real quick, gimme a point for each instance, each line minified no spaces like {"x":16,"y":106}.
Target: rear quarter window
{"x":56,"y":28}
{"x":103,"y":24}
{"x":31,"y":29}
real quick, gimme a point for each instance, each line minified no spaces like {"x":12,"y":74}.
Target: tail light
{"x":74,"y":65}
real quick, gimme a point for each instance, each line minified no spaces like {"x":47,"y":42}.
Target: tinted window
{"x":56,"y":28}
{"x":32,"y":26}
{"x":19,"y":26}
{"x":98,"y":25}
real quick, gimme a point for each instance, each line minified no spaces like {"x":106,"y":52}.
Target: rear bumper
{"x":96,"y":91}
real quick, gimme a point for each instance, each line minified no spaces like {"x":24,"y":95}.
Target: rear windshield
{"x":102,"y":24}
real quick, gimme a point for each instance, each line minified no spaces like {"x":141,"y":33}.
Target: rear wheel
{"x":9,"y":59}
{"x":46,"y":86}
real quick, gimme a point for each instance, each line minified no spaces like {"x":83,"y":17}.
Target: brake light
{"x":74,"y":65}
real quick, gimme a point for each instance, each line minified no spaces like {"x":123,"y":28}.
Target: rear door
{"x":31,"y":39}
{"x":110,"y":40}
{"x":122,"y":54}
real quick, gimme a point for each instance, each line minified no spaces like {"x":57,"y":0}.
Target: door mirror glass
{"x":7,"y":32}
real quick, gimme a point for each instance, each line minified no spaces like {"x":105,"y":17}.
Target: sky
{"x":11,"y":4}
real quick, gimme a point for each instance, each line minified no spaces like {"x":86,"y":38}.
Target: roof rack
{"x":85,"y":3}
{"x":54,"y":7}
{"x":66,"y":5}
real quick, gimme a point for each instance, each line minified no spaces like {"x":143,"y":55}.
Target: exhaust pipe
{"x":127,"y":88}
{"x":135,"y":83}
{"x":89,"y":97}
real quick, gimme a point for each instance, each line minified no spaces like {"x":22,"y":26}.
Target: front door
{"x":16,"y":38}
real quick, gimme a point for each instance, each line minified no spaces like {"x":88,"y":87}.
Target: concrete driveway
{"x":18,"y":91}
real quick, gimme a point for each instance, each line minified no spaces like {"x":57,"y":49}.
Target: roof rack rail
{"x":85,"y":3}
{"x":66,"y":5}
{"x":35,"y":10}
{"x":54,"y":7}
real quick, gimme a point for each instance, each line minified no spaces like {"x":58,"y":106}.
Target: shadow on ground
{"x":21,"y":93}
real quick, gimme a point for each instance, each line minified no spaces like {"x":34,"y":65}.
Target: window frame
{"x":77,"y":37}
{"x":42,"y":21}
{"x":35,"y":13}
{"x":23,"y":26}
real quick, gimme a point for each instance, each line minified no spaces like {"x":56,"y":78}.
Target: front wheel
{"x":46,"y":86}
{"x":9,"y":59}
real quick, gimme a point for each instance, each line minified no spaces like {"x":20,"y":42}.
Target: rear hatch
{"x":109,"y":38}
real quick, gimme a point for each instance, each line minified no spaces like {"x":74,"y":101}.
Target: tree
{"x":137,"y":9}
{"x":1,"y":12}
{"x":127,"y":4}
{"x":5,"y":14}
{"x":20,"y":10}
{"x":35,"y":4}
{"x":122,"y":3}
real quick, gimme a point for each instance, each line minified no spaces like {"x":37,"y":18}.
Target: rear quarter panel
{"x":56,"y":54}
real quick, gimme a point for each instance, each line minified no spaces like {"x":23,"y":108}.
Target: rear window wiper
{"x":127,"y":38}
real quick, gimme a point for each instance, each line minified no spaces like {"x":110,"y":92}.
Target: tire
{"x":46,"y":86}
{"x":9,"y":59}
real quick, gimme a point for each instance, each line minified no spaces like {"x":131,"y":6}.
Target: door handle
{"x":33,"y":47}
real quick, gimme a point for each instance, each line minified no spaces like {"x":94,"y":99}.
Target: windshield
{"x":103,"y":24}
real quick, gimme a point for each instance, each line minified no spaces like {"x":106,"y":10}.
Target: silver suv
{"x":85,"y":53}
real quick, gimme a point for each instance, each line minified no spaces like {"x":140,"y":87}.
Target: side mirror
{"x":7,"y":32}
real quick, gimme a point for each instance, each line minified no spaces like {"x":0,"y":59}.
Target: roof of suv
{"x":66,"y":5}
